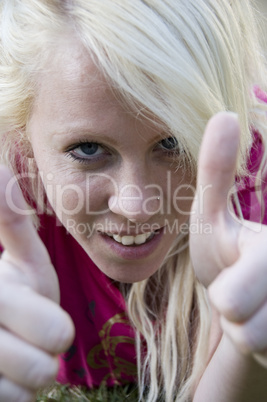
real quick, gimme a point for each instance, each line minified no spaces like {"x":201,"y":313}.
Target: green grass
{"x":63,"y":393}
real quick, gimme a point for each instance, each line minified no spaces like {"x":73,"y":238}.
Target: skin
{"x":231,"y":263}
{"x":29,"y":291}
{"x":120,"y":181}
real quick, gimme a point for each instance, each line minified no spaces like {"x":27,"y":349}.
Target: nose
{"x":136,"y":198}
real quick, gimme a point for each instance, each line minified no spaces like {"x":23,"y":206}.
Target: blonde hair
{"x":181,"y":61}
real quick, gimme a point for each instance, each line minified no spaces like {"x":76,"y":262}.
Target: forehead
{"x":74,"y":96}
{"x":71,"y":86}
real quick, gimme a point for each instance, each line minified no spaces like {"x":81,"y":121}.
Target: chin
{"x":129,"y":274}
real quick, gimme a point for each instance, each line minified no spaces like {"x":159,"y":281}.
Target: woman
{"x":103,"y":110}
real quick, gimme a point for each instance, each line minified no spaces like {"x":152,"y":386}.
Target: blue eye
{"x":88,"y":148}
{"x":86,"y":152}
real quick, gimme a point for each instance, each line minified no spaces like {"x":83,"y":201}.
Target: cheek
{"x":77,"y":195}
{"x":183,"y":197}
{"x":66,"y":199}
{"x":182,"y":194}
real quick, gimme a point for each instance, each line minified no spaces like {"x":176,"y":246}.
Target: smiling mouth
{"x":133,"y":240}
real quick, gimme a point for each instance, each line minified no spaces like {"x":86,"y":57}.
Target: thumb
{"x":214,"y":250}
{"x":24,"y":250}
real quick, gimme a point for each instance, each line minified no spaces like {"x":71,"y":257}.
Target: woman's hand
{"x":230,"y":258}
{"x":33,"y":328}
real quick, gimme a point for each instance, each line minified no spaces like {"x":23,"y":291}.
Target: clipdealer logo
{"x":87,"y":230}
{"x":170,"y":199}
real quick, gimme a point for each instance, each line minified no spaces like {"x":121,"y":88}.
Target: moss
{"x":64,"y":393}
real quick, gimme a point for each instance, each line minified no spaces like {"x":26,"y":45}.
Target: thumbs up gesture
{"x":33,"y":327}
{"x":231,"y":261}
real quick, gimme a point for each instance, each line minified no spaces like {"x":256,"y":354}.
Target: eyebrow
{"x":82,"y":133}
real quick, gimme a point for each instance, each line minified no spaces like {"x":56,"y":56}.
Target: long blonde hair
{"x":181,"y":61}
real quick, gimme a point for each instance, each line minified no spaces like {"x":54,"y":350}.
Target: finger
{"x":17,"y":233}
{"x":20,"y":312}
{"x":29,"y":367}
{"x":238,"y":292}
{"x":250,"y":336}
{"x":23,"y":247}
{"x":217,"y":161}
{"x":11,"y":392}
{"x":216,"y":249}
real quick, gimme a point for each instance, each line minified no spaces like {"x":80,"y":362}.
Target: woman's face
{"x":103,"y":168}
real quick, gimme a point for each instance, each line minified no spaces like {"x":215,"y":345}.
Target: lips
{"x":131,"y":250}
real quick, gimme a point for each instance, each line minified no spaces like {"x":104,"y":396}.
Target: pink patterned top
{"x":252,"y":190}
{"x":103,"y":349}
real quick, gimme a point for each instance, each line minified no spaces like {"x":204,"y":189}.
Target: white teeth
{"x":130,"y":240}
{"x":127,"y":240}
{"x":117,"y":238}
{"x":140,"y":239}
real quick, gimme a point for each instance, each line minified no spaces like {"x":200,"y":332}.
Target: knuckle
{"x":233,"y":309}
{"x":42,"y":371}
{"x":248,"y":341}
{"x":60,"y":333}
{"x":11,"y":392}
{"x":235,"y":305}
